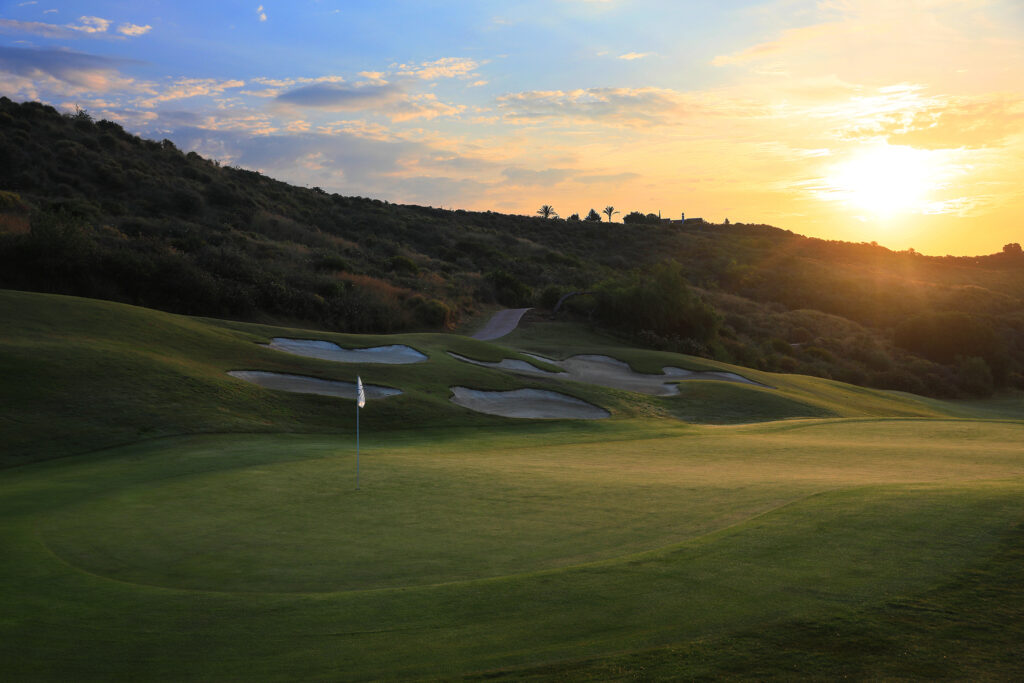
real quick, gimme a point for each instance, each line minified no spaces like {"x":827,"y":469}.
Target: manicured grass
{"x":703,"y":535}
{"x":82,"y":374}
{"x":234,"y":557}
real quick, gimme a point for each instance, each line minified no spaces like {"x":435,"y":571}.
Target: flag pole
{"x":360,"y":402}
{"x":357,"y":445}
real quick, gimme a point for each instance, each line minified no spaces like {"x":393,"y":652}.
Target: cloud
{"x":628,"y":107}
{"x":261,"y":14}
{"x":91,"y":25}
{"x":38,"y":28}
{"x":133,"y":29}
{"x":87,"y":25}
{"x":630,"y":56}
{"x":422,"y":107}
{"x":387,"y":98}
{"x":522,"y":177}
{"x":188,"y":87}
{"x":66,"y":70}
{"x":960,"y":123}
{"x":340,"y":97}
{"x":446,"y":67}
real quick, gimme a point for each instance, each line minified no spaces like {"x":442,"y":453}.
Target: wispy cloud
{"x":446,"y":67}
{"x":340,"y":97}
{"x":630,"y":107}
{"x":68,"y":71}
{"x":630,"y":56}
{"x":389,"y":99}
{"x":183,"y":88}
{"x":85,"y":26}
{"x":38,"y":28}
{"x":134,"y":29}
{"x":261,"y":14}
{"x":90,"y":25}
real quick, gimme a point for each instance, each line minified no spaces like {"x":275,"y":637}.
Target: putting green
{"x":292,"y":521}
{"x":252,"y":556}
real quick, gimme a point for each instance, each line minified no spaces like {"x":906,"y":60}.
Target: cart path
{"x":500,"y":324}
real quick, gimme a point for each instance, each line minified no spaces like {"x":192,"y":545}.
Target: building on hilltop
{"x":683,"y":220}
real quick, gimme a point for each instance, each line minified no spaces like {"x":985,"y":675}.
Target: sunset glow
{"x":885,"y":181}
{"x":816,"y":116}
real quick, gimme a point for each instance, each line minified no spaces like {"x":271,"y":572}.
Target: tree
{"x":547,"y":211}
{"x":609,"y":210}
{"x":593,"y":217}
{"x":1012,"y":248}
{"x":574,"y":217}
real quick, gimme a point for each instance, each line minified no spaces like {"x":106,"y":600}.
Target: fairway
{"x":163,"y":520}
{"x":471,"y":553}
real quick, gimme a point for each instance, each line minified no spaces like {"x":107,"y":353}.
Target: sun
{"x":884,"y":180}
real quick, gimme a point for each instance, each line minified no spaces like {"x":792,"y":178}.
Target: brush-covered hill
{"x":91,"y":210}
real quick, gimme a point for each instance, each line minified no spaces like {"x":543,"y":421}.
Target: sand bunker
{"x":507,"y":364}
{"x":608,"y":372}
{"x":325,"y":350}
{"x":530,"y":403}
{"x":311,"y":385}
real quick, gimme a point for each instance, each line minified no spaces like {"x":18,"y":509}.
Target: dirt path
{"x":500,"y":324}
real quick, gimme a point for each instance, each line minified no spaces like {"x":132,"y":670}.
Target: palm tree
{"x":609,"y":210}
{"x":547,"y":211}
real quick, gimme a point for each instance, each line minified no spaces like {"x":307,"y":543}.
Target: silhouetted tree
{"x":609,"y":210}
{"x":547,"y":211}
{"x":593,"y":216}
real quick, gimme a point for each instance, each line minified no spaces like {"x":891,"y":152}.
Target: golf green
{"x":254,"y":556}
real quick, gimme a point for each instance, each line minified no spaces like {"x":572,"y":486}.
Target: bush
{"x":660,"y":301}
{"x":509,"y":290}
{"x":974,"y":377}
{"x":549,"y":297}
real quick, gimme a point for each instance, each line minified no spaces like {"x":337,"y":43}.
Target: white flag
{"x":360,"y":394}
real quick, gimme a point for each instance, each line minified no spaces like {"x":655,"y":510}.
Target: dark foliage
{"x":88,"y":209}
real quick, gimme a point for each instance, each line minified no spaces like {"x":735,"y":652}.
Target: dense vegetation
{"x":88,"y":209}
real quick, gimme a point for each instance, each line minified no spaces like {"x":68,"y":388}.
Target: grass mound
{"x":81,"y":374}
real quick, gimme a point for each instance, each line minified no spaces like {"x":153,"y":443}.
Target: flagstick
{"x":357,"y":445}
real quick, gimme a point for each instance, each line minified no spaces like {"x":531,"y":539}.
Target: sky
{"x":894,"y":121}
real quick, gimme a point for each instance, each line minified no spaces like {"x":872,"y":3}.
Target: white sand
{"x":392,"y":355}
{"x":606,"y":371}
{"x":511,"y":364}
{"x":529,"y":403}
{"x":311,"y":385}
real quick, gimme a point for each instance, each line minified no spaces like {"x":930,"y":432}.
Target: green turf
{"x":707,"y":535}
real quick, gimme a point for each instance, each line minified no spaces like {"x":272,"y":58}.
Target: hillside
{"x":90,"y":210}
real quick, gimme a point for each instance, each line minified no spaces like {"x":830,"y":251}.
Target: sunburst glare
{"x":885,"y":180}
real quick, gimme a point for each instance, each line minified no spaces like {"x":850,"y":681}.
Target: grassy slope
{"x":550,"y":549}
{"x":83,"y":374}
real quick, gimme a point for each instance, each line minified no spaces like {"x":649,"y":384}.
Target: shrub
{"x":974,"y":377}
{"x":660,"y":301}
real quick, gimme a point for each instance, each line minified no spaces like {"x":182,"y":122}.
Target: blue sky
{"x":894,"y":121}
